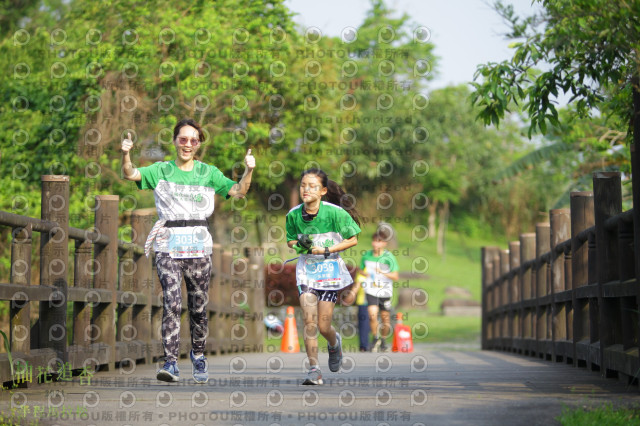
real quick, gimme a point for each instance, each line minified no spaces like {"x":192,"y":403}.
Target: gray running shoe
{"x":314,"y":377}
{"x":200,"y":368}
{"x":376,"y":345}
{"x":169,"y":372}
{"x":383,"y":346}
{"x":335,"y":354}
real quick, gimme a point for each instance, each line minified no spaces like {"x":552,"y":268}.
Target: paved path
{"x":430,"y":387}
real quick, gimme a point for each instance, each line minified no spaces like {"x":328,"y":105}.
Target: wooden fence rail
{"x":569,"y":291}
{"x":110,"y":313}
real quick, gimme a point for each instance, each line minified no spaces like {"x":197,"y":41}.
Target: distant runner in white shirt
{"x":380,"y":268}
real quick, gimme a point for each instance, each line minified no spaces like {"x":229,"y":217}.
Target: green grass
{"x":605,"y":415}
{"x":443,"y":329}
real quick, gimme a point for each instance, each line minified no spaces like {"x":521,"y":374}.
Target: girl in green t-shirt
{"x":318,"y":230}
{"x":381,"y":269}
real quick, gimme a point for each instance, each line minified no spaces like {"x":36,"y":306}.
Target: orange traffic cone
{"x":290,"y":343}
{"x":402,"y":341}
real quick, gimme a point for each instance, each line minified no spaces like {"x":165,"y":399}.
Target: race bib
{"x":322,"y":271}
{"x":185,"y":244}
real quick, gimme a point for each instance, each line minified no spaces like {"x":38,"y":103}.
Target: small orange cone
{"x":402,"y":341}
{"x":290,"y":343}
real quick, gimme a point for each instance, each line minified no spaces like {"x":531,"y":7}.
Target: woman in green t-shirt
{"x":318,"y":230}
{"x":184,"y":190}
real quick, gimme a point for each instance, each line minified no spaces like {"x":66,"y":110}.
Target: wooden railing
{"x":115,"y":296}
{"x":568,"y":292}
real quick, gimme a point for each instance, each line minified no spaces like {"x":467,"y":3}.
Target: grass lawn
{"x":604,"y":415}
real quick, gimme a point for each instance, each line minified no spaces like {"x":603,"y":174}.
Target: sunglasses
{"x":183,"y":141}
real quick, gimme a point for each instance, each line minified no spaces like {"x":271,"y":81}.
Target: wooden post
{"x":502,"y":321}
{"x":565,"y":319}
{"x":141,"y":223}
{"x":560,"y":231}
{"x":607,"y":194}
{"x":124,"y":324}
{"x":627,"y":305}
{"x":625,"y":251}
{"x":256,"y":276}
{"x":241,"y":332}
{"x":156,"y":311}
{"x":543,"y":234}
{"x":20,"y":311}
{"x":216,"y":317}
{"x":225,"y":298}
{"x":504,"y":283}
{"x":514,"y":292}
{"x":82,"y":279}
{"x":635,"y":174}
{"x":581,"y":219}
{"x":106,"y":258}
{"x":527,"y":252}
{"x":560,"y":222}
{"x":54,"y":257}
{"x":486,"y":270}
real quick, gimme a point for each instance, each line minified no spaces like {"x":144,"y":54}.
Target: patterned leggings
{"x":197,"y":274}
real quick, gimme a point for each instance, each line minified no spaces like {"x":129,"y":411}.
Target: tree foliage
{"x":586,"y":49}
{"x":81,"y":74}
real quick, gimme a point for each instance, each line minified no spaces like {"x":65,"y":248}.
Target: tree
{"x":568,"y":155}
{"x":78,"y":83}
{"x":392,"y":60}
{"x":463,"y":159}
{"x":585,"y":48}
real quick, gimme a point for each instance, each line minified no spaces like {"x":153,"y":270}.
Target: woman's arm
{"x":128,"y":171}
{"x":240,"y":189}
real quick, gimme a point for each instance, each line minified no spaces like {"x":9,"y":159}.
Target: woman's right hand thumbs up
{"x":127,"y":144}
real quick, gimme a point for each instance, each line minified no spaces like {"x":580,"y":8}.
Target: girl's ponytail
{"x":335,"y":194}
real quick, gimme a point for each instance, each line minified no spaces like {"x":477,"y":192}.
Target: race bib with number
{"x":322,"y":271}
{"x":185,"y":244}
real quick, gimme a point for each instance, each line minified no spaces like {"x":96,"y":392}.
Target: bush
{"x":280,"y":285}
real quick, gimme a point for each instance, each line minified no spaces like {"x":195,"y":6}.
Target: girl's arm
{"x":395,"y":276}
{"x":341,"y":246}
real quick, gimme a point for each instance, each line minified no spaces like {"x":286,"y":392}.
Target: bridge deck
{"x":427,"y":386}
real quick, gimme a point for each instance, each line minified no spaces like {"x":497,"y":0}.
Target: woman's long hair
{"x":335,"y":194}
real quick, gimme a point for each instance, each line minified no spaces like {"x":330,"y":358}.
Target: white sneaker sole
{"x":201,"y":380}
{"x":165,"y":376}
{"x":313,"y":382}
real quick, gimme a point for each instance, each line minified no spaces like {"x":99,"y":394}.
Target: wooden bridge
{"x":91,"y":355}
{"x":569,"y":292}
{"x":100,"y":307}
